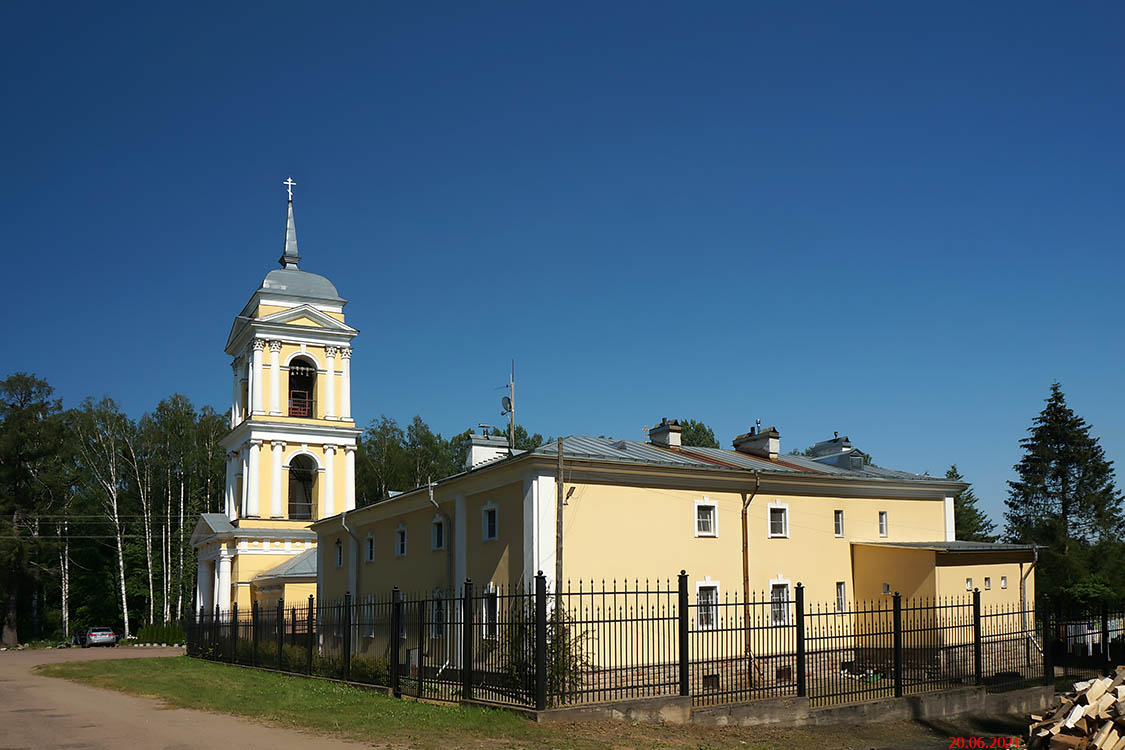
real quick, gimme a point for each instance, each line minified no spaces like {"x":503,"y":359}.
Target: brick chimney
{"x":666,"y":433}
{"x":763,"y":443}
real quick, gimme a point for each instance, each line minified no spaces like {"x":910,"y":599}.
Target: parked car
{"x":99,"y":637}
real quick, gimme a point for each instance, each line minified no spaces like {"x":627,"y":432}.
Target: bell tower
{"x":291,"y":447}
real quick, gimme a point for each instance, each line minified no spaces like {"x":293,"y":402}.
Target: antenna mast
{"x":512,"y":409}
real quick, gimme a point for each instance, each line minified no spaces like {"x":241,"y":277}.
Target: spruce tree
{"x":694,"y":433}
{"x":971,"y":524}
{"x":1066,"y":501}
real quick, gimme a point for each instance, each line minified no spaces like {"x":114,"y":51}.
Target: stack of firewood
{"x":1090,"y":718}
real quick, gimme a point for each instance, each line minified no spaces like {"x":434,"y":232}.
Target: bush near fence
{"x":172,"y":632}
{"x":527,"y":647}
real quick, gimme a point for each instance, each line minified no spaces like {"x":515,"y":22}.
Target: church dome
{"x":294,"y":281}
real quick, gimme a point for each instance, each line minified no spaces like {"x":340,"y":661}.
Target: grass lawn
{"x":355,"y":713}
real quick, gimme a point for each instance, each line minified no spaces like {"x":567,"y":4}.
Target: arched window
{"x":302,"y":388}
{"x":302,"y":488}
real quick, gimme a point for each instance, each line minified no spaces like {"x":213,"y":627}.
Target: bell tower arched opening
{"x":302,"y":388}
{"x":302,"y":488}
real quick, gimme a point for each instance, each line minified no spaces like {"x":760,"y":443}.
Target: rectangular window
{"x":370,"y":548}
{"x":968,"y":584}
{"x":886,"y":589}
{"x":488,"y":523}
{"x":339,"y":554}
{"x":706,"y":519}
{"x":779,"y":521}
{"x":707,"y":611}
{"x":437,"y":534}
{"x":838,"y":517}
{"x":779,"y":604}
{"x":491,"y":611}
{"x":882,"y":523}
{"x":1003,"y":582}
{"x":437,"y":616}
{"x":841,"y":596}
{"x":400,"y":541}
{"x":987,"y":583}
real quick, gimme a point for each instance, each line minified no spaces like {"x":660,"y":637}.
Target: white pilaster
{"x":349,"y":477}
{"x":256,"y":400}
{"x":330,"y":383}
{"x":223,"y":594}
{"x":539,"y":527}
{"x":275,"y":378}
{"x":276,"y":510}
{"x":204,"y":580}
{"x":214,"y":585}
{"x":229,"y":504}
{"x":236,"y":395}
{"x":950,"y":521}
{"x":251,"y":479}
{"x":328,"y":492}
{"x":346,"y":383}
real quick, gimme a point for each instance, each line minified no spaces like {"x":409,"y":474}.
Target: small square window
{"x":370,"y":548}
{"x":838,"y":520}
{"x":886,"y":589}
{"x":882,"y":523}
{"x":968,"y":584}
{"x":437,"y":534}
{"x":400,"y":541}
{"x":841,"y":596}
{"x":779,"y":604}
{"x":1003,"y":582}
{"x":706,"y":519}
{"x":707,"y":611}
{"x":987,"y":583}
{"x":779,"y":521}
{"x":488,"y":522}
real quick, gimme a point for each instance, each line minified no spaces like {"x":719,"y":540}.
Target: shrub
{"x":172,"y":632}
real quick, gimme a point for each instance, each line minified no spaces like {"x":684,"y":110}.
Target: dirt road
{"x":44,"y":712}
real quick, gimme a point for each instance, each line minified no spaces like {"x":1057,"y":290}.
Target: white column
{"x":330,"y":383}
{"x":229,"y":504}
{"x":214,"y":585}
{"x":950,"y":521}
{"x":222,"y":597}
{"x":349,"y":476}
{"x":244,"y":501}
{"x":275,"y":378}
{"x":251,"y":480}
{"x":236,"y":395}
{"x":204,"y":580}
{"x":328,"y":493}
{"x":275,"y":483}
{"x":346,"y":383}
{"x":256,"y":399}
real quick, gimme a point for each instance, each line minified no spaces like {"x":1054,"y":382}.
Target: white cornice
{"x":291,"y":432}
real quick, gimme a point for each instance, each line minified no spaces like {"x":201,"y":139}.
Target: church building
{"x":291,"y":448}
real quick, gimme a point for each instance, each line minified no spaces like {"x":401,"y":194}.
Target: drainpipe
{"x":447,"y":539}
{"x":354,"y":564}
{"x":746,"y":500}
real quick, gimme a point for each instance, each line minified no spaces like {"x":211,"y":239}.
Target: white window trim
{"x":968,"y":584}
{"x":845,"y":602}
{"x":405,"y":540}
{"x":838,"y":533}
{"x":437,"y":521}
{"x":988,"y":583}
{"x":884,"y":532}
{"x":708,"y":583}
{"x":484,"y":537}
{"x":437,"y":629}
{"x":705,"y":502}
{"x":779,"y":581}
{"x":1003,"y":582}
{"x":369,"y":548}
{"x":769,"y":520}
{"x":886,"y":589}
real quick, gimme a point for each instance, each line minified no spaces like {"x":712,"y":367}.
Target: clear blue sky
{"x":900,"y":223}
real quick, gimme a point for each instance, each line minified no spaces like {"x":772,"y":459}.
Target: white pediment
{"x":303,"y":315}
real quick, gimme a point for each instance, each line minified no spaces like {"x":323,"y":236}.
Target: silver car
{"x":100,"y":637}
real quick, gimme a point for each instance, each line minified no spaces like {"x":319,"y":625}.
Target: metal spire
{"x":290,"y":257}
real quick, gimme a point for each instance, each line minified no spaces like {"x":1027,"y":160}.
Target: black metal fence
{"x":586,"y":644}
{"x":1083,"y":640}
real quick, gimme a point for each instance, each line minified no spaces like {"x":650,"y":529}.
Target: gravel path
{"x":45,"y":712}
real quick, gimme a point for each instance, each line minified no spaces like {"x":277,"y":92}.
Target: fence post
{"x":682,"y":612}
{"x":253,"y":634}
{"x":897,"y":621}
{"x":200,"y":630}
{"x":309,"y":635}
{"x":978,"y":660}
{"x":467,"y":641}
{"x":799,"y":605}
{"x":421,"y":646}
{"x":280,"y":629}
{"x":396,"y":640}
{"x":347,"y":635}
{"x":540,"y":641}
{"x":1105,"y":634}
{"x":1048,"y":643}
{"x":236,"y":632}
{"x":216,"y":636}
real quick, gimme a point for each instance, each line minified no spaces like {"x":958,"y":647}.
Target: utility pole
{"x":560,"y":501}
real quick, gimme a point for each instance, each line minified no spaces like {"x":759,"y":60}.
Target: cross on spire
{"x":289,"y":184}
